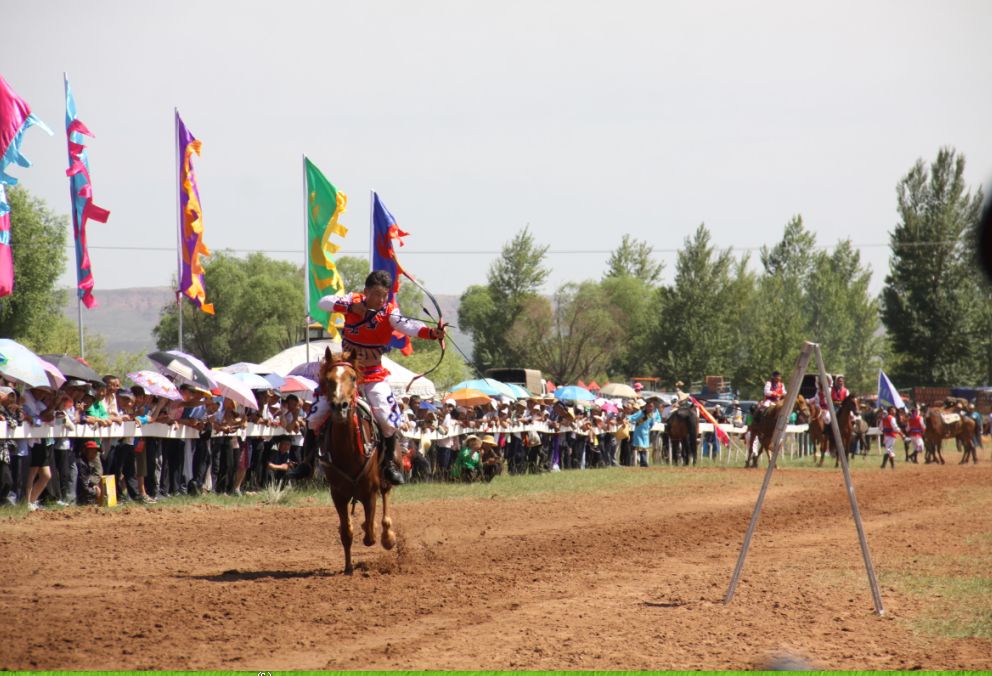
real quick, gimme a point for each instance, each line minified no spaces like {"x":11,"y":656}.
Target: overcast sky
{"x":585,"y":120}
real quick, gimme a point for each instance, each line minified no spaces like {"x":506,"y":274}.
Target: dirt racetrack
{"x":632,"y":579}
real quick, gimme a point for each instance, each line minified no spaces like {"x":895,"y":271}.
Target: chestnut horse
{"x":938,"y":429}
{"x":822,"y":432}
{"x":763,"y":429}
{"x":350,"y":457}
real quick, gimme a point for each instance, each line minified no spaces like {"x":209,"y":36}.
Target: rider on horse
{"x":774,"y":392}
{"x":369,"y":321}
{"x":838,"y":393}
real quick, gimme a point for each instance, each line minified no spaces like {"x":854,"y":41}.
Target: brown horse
{"x":819,"y":431}
{"x":350,"y":457}
{"x":682,"y":428}
{"x":763,"y":429}
{"x":950,"y":421}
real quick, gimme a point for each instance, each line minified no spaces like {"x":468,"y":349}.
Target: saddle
{"x":950,"y":418}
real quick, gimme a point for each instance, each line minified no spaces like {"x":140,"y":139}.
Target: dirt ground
{"x":632,"y":580}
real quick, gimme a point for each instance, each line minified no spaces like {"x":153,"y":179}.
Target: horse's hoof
{"x":388,"y":540}
{"x":349,"y":570}
{"x":368,"y":541}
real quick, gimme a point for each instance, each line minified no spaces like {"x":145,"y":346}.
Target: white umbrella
{"x":235,"y":389}
{"x":19,"y":363}
{"x":618,"y":390}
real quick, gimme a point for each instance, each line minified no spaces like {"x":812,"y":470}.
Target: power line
{"x":492,"y":252}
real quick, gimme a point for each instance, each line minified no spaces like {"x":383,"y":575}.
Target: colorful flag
{"x":15,"y":119}
{"x":81,"y":192}
{"x":191,"y":269}
{"x":325,"y":205}
{"x":385,"y":234}
{"x":721,"y":435}
{"x":888,"y":395}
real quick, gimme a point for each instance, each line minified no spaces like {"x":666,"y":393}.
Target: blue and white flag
{"x":888,"y":395}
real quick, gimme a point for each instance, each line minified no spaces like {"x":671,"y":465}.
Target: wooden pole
{"x":842,"y":455}
{"x":795,"y":381}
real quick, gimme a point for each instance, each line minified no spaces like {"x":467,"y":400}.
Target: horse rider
{"x":915,"y":429}
{"x":838,"y":393}
{"x":370,"y":318}
{"x":774,"y":392}
{"x":680,"y":396}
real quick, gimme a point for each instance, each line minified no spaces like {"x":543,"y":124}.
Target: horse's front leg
{"x":344,"y":527}
{"x":388,"y":535}
{"x":368,"y":504}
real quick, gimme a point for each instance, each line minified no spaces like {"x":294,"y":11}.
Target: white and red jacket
{"x":915,"y":427}
{"x":368,"y":336}
{"x":890,"y":428}
{"x":774,"y":391}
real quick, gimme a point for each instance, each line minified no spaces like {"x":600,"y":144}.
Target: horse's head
{"x":801,"y":408}
{"x":339,"y":383}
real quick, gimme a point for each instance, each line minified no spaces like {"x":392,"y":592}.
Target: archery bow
{"x":440,"y":326}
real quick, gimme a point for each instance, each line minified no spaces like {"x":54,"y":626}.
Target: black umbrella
{"x":183,"y":368}
{"x":72,"y":368}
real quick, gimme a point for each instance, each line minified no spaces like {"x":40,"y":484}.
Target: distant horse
{"x":763,"y":428}
{"x":819,"y":431}
{"x":948,"y":422}
{"x":683,"y":432}
{"x":350,"y":451}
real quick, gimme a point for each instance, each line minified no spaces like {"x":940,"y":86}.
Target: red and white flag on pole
{"x":720,"y":434}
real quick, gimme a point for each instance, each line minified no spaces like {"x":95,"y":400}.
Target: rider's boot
{"x":308,"y":461}
{"x":387,"y":463}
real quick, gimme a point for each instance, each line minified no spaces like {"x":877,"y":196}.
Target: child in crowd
{"x":90,"y":470}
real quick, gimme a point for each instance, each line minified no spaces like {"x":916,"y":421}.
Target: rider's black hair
{"x":379,"y":278}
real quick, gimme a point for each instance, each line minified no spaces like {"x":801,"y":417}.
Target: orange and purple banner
{"x":81,"y":193}
{"x":191,"y":216}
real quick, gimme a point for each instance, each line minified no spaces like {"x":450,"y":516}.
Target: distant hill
{"x":126,"y":317}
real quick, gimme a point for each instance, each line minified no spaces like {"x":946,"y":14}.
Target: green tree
{"x":928,"y":298}
{"x":488,"y":312}
{"x":571,"y":338}
{"x":258,"y":306}
{"x":633,"y":258}
{"x":353,"y":271}
{"x":690,"y":340}
{"x":637,"y":304}
{"x":38,"y":247}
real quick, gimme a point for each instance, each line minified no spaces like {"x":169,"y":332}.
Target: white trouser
{"x":381,"y":401}
{"x":825,"y":415}
{"x":917,"y":444}
{"x":890,"y":443}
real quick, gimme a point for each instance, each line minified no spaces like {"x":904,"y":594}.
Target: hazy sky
{"x":585,"y":120}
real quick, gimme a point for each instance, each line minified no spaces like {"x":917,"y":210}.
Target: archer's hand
{"x":440,"y":330}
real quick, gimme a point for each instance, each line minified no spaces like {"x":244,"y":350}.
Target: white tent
{"x":399,"y":376}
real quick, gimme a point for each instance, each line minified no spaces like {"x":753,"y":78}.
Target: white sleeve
{"x":334,"y":303}
{"x":405,"y":325}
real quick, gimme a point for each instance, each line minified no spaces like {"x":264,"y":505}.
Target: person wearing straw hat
{"x":491,"y":460}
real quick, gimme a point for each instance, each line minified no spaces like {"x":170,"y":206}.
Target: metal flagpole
{"x":75,"y":227}
{"x":842,"y":454}
{"x":179,"y":235}
{"x":306,"y":255}
{"x":795,"y":382}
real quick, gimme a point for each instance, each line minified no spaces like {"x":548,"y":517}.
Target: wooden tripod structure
{"x":809,"y":349}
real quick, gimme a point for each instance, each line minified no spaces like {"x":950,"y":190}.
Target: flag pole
{"x":179,"y":234}
{"x":306,"y":256}
{"x":75,"y":226}
{"x":371,"y":226}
